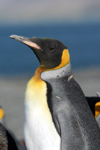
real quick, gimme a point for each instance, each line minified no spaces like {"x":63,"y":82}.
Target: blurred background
{"x":76,"y":23}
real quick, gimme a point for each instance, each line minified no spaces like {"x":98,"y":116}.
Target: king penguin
{"x":57,"y":114}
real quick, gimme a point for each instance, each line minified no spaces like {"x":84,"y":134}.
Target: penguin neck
{"x":43,"y":74}
{"x":37,"y":75}
{"x":57,"y":73}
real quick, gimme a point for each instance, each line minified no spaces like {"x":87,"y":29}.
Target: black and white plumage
{"x":57,"y":114}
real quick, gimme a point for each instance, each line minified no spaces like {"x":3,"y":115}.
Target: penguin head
{"x":51,"y":53}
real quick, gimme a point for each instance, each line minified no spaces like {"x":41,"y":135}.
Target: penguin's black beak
{"x":33,"y":43}
{"x":26,"y":41}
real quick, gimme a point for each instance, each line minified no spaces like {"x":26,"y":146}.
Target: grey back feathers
{"x":71,"y":114}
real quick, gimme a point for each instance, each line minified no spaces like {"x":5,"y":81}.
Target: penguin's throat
{"x":57,"y":73}
{"x":37,"y":75}
{"x":41,"y":74}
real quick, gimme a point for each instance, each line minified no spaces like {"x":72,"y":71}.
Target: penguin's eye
{"x":51,"y":48}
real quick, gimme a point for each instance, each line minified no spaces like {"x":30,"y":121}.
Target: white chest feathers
{"x":39,"y":130}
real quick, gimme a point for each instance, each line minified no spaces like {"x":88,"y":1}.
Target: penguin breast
{"x":39,"y":128}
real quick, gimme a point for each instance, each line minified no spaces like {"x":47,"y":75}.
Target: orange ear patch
{"x":1,"y":113}
{"x":97,"y":109}
{"x":64,"y":60}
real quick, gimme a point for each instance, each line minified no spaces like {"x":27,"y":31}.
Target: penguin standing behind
{"x":57,"y":115}
{"x":3,"y":138}
{"x":8,"y":141}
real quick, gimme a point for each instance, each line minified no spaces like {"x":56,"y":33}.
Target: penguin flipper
{"x":70,"y":137}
